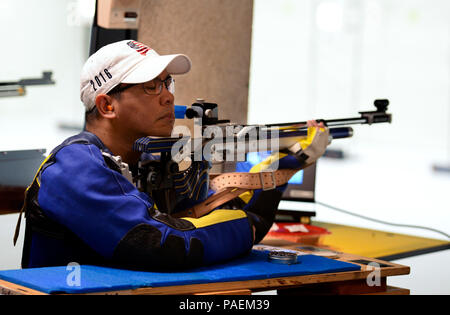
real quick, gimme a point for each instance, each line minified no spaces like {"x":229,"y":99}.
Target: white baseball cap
{"x":127,"y":61}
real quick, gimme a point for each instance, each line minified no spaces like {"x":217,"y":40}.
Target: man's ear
{"x":105,"y":106}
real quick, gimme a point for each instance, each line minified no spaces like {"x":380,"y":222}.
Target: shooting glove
{"x":311,"y":148}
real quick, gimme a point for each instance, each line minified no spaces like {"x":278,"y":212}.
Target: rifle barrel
{"x":329,"y":123}
{"x":366,"y":118}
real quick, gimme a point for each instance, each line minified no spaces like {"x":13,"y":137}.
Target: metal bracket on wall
{"x":8,"y":89}
{"x":108,"y":27}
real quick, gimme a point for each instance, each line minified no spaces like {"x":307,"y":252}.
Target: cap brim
{"x":150,"y":68}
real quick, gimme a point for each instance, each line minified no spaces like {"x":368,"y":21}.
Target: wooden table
{"x":352,"y":282}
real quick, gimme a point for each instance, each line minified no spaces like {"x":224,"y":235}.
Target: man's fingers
{"x":312,"y":123}
{"x":317,"y":125}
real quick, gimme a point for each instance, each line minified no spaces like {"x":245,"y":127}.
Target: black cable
{"x":382,"y":222}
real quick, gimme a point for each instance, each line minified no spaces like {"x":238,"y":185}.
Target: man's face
{"x":140,"y":114}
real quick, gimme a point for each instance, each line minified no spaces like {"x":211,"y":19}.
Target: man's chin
{"x":161,"y":133}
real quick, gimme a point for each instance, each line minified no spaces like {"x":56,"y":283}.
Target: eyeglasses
{"x":153,"y":87}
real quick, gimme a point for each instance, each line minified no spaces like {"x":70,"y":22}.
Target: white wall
{"x":327,"y":58}
{"x":38,"y":36}
{"x":331,"y":59}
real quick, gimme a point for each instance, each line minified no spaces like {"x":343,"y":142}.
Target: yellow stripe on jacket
{"x":217,"y":216}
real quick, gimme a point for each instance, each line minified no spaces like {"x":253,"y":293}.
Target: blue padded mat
{"x":101,"y":279}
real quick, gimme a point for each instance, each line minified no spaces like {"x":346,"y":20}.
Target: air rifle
{"x":217,"y":141}
{"x":212,"y":135}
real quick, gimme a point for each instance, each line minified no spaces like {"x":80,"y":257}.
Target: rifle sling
{"x":230,"y":185}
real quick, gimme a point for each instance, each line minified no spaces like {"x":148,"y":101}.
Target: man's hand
{"x":310,"y":149}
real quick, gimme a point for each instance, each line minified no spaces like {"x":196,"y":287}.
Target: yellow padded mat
{"x":377,"y":244}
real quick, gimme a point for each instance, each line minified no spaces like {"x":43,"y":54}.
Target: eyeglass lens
{"x":155,"y":86}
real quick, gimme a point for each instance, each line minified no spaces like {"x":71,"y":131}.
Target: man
{"x":82,"y":206}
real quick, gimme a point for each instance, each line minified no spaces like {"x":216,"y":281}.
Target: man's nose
{"x":167,"y":98}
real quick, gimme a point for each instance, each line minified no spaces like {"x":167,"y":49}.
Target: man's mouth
{"x":170,"y":116}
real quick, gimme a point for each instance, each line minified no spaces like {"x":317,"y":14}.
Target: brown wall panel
{"x":216,"y":35}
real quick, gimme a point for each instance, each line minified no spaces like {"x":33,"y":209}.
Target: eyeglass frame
{"x":119,"y":89}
